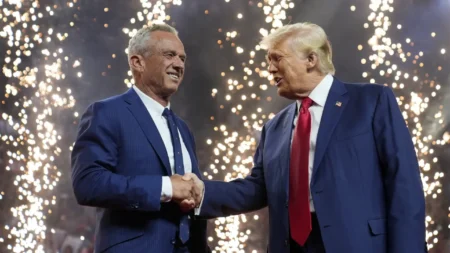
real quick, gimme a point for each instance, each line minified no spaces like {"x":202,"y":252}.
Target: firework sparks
{"x":246,"y":85}
{"x":394,"y":64}
{"x":32,"y":96}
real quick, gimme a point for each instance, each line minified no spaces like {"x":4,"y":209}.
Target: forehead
{"x":280,"y":48}
{"x":166,"y":41}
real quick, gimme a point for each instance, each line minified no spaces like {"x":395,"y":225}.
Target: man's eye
{"x":273,"y":58}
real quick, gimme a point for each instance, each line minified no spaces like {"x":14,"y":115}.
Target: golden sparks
{"x":394,"y":64}
{"x":33,"y":97}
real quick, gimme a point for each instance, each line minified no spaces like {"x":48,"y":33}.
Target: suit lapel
{"x":335,"y":104}
{"x":145,"y":121}
{"x":285,"y":142}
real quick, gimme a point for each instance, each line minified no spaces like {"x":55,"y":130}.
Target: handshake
{"x":187,"y":191}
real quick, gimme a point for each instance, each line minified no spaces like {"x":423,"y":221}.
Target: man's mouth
{"x":174,"y":75}
{"x":278,"y":80}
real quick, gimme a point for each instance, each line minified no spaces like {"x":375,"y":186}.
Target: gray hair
{"x":139,"y":43}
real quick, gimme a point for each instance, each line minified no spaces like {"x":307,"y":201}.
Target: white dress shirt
{"x":319,"y":97}
{"x":156,"y":110}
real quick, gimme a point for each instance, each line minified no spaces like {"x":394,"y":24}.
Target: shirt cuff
{"x":166,"y":191}
{"x":199,"y":208}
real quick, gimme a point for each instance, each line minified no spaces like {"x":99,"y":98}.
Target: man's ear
{"x":313,"y":60}
{"x":137,"y":63}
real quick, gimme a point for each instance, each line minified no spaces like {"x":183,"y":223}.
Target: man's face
{"x":289,"y":68}
{"x":164,"y":67}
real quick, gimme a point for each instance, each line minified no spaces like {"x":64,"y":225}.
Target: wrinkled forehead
{"x":166,"y":41}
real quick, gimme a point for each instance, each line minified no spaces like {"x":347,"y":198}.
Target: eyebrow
{"x":175,"y":53}
{"x":272,"y":55}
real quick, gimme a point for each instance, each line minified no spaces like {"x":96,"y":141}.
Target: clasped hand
{"x":187,"y":191}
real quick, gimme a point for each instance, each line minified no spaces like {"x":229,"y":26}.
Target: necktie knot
{"x":306,"y":103}
{"x":167,"y":112}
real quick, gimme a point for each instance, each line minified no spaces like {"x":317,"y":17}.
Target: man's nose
{"x":272,"y":69}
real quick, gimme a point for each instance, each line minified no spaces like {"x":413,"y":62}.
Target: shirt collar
{"x":320,"y":93}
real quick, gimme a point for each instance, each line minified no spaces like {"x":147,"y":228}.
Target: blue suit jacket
{"x":118,"y":161}
{"x":366,"y":184}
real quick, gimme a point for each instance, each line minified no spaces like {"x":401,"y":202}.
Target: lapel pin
{"x":338,"y":103}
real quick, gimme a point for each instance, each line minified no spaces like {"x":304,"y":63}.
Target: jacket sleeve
{"x":94,"y":162}
{"x":402,"y":182}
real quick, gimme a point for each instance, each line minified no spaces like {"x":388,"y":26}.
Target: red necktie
{"x":299,"y":213}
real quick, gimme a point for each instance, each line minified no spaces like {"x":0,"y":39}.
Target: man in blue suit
{"x":131,"y":151}
{"x":337,"y":168}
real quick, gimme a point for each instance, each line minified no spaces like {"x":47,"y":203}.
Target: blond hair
{"x":307,"y":38}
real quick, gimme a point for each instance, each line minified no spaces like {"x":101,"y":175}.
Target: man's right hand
{"x":198,"y":189}
{"x":195,"y":202}
{"x":183,"y":189}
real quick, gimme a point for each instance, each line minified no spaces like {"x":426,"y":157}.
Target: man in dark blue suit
{"x":337,"y":168}
{"x":131,"y":151}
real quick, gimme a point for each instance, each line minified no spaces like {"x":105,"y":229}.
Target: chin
{"x":171,"y":84}
{"x":285,"y":93}
{"x":171,"y":88}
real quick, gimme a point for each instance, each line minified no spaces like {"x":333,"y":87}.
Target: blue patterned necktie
{"x":179,"y":168}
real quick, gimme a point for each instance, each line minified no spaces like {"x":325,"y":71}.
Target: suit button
{"x":286,"y":204}
{"x":135,"y":206}
{"x":286,"y":242}
{"x":173,"y":241}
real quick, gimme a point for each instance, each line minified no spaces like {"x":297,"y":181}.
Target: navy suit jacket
{"x":365,"y":185}
{"x":118,"y":161}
